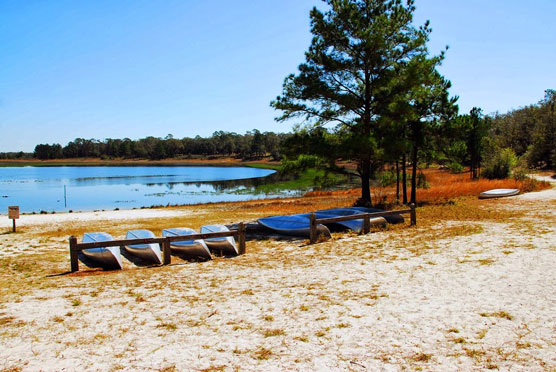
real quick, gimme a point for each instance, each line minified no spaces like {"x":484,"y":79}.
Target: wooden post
{"x":312,"y":229}
{"x":241,"y":238}
{"x":413,"y":214}
{"x":74,"y":262}
{"x":13,"y":225}
{"x":366,"y":224}
{"x":166,"y":253}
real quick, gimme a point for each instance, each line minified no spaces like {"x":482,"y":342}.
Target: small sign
{"x":13,"y":212}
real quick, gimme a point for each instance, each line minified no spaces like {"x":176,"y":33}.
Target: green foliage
{"x":422,"y":182}
{"x":455,"y":167}
{"x":252,"y":145}
{"x":387,"y":178}
{"x":500,"y":164}
{"x":299,"y":164}
{"x":530,"y":131}
{"x":369,"y":76}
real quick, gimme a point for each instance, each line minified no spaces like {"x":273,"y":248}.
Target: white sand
{"x":388,"y":301}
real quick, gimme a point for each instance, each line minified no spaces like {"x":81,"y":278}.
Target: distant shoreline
{"x":213,"y":162}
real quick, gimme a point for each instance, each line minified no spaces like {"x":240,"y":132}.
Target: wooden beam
{"x":413,"y":215}
{"x":366,"y":225}
{"x":312,"y":228}
{"x":241,"y":238}
{"x":74,"y":262}
{"x":361,"y":216}
{"x":166,"y":253}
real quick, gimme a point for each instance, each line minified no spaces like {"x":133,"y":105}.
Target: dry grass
{"x":443,"y":186}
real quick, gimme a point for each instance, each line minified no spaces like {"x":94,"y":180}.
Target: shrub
{"x":500,"y":164}
{"x":387,"y":178}
{"x":455,"y":167}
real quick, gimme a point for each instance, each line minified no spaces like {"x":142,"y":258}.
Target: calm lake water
{"x":93,"y":188}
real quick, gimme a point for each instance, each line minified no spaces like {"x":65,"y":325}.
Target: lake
{"x":87,"y":188}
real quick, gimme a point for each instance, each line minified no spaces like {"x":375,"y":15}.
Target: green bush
{"x":387,"y":178}
{"x":455,"y":167}
{"x":500,"y":164}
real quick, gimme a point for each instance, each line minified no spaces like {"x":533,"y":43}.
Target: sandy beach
{"x":471,"y":287}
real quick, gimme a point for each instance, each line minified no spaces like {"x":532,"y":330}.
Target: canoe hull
{"x":107,"y":258}
{"x":146,"y":252}
{"x":394,"y":219}
{"x":225,"y":245}
{"x":292,"y":225}
{"x":193,"y":249}
{"x":498,"y":193}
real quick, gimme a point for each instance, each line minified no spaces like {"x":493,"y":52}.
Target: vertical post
{"x":366,"y":224}
{"x":413,"y":214}
{"x":166,"y":257}
{"x":241,"y":238}
{"x":14,"y":224}
{"x":312,"y":229}
{"x":74,"y":262}
{"x":65,"y":198}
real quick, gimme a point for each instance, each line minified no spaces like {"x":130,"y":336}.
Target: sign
{"x":13,"y":212}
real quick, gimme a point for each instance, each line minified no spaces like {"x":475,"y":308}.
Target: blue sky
{"x":134,"y":68}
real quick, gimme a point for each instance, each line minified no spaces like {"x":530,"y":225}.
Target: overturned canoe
{"x":196,"y":249}
{"x":355,"y":225}
{"x":393,"y":219}
{"x":109,"y":257}
{"x":296,"y":225}
{"x":498,"y":193}
{"x":147,"y":252}
{"x":226,"y":244}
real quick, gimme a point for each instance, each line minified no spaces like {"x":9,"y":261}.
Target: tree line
{"x":251,"y":145}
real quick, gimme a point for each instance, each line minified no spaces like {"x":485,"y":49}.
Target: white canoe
{"x":188,"y":248}
{"x":498,"y":193}
{"x":108,"y":257}
{"x":226,"y":245}
{"x":147,"y":252}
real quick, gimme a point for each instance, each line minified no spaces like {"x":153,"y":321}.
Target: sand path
{"x":408,"y":299}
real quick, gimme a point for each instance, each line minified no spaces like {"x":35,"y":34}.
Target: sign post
{"x":13,"y":213}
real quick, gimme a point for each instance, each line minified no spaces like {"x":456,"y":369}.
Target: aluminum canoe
{"x":147,"y":252}
{"x":226,"y":245}
{"x":196,"y":249}
{"x":108,"y":257}
{"x":498,"y":193}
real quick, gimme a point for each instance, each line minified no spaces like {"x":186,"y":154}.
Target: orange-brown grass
{"x":443,"y":186}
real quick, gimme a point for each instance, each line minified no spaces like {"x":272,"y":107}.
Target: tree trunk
{"x":397,"y":181}
{"x":414,"y":176}
{"x":404,"y":179}
{"x":365,"y":183}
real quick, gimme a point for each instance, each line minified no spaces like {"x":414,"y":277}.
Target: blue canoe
{"x":355,"y":225}
{"x":296,"y":225}
{"x":108,"y":257}
{"x":397,"y":218}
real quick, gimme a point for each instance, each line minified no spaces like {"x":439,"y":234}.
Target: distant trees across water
{"x":251,"y":145}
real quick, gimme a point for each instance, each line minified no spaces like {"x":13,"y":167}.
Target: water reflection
{"x":91,"y":188}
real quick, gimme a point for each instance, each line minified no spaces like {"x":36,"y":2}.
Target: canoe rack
{"x":366,"y":217}
{"x":75,"y":247}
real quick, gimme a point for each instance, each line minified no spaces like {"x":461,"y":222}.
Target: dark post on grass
{"x":74,"y":262}
{"x":13,"y":214}
{"x":312,"y":229}
{"x":241,"y":238}
{"x":166,"y":252}
{"x":413,"y":214}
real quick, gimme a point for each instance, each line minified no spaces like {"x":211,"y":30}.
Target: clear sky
{"x":134,"y":68}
